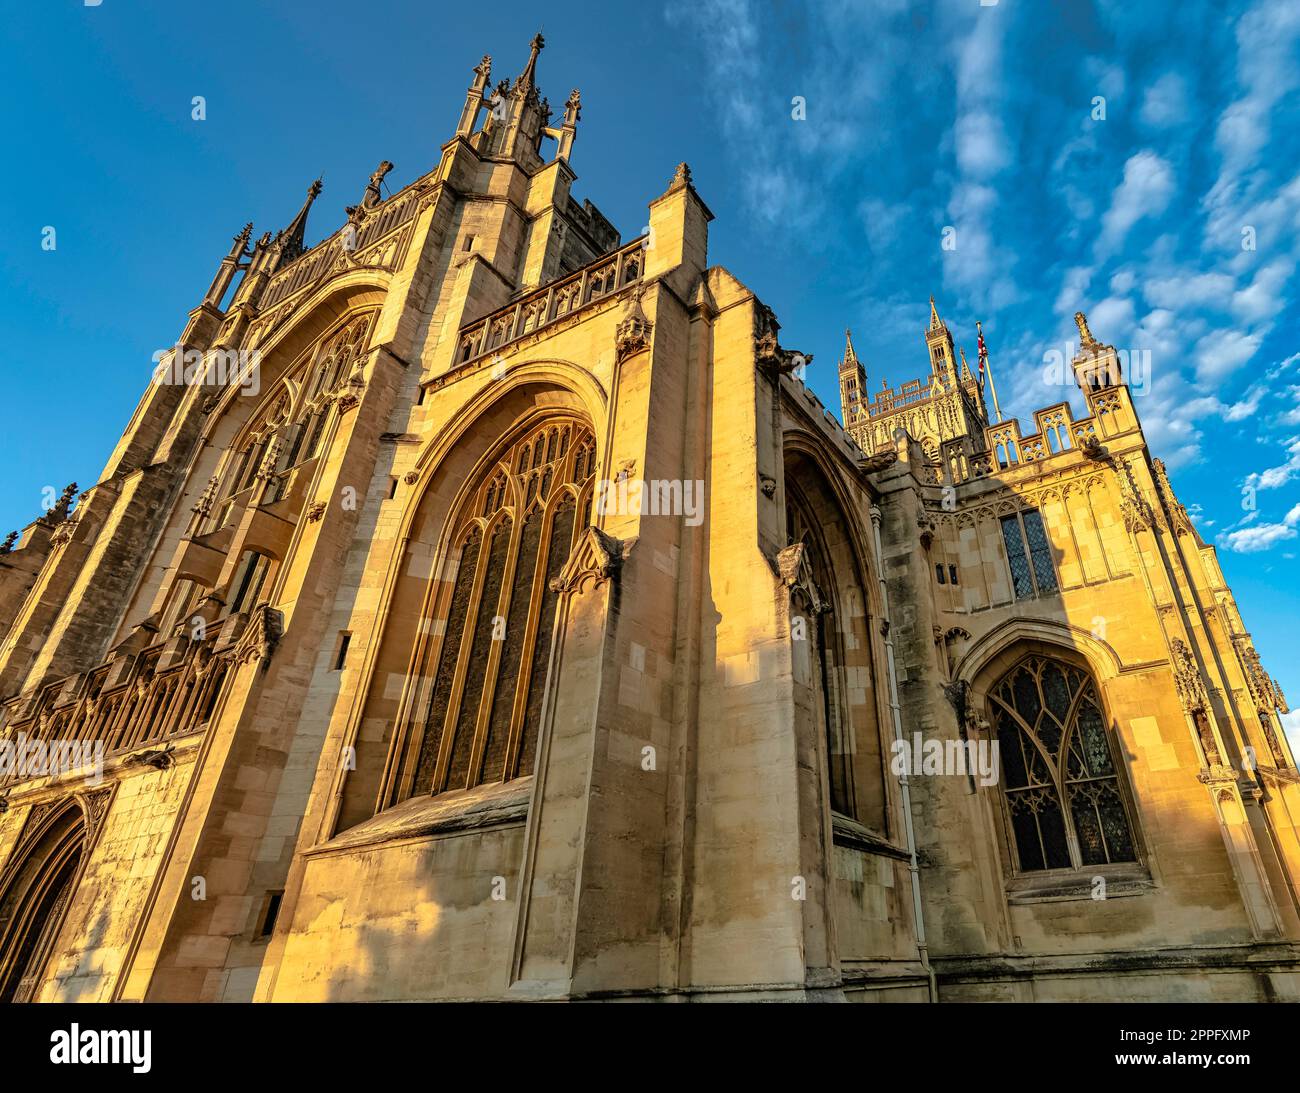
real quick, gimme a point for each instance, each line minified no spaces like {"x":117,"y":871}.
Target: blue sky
{"x":1136,"y":160}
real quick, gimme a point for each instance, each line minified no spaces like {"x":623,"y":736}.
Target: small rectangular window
{"x":271,"y":912}
{"x":392,"y":487}
{"x":341,"y":658}
{"x":938,"y":572}
{"x":952,"y":574}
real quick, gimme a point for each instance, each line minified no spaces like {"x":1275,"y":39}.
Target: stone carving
{"x":595,"y":559}
{"x":632,"y":335}
{"x":1257,"y":680}
{"x":1187,"y":677}
{"x":203,"y":506}
{"x":1093,"y":449}
{"x":874,"y":464}
{"x":767,"y":484}
{"x":59,"y":511}
{"x":794,"y":571}
{"x":1085,"y":335}
{"x":95,"y":806}
{"x":573,"y":108}
{"x":768,"y":354}
{"x":261,"y":636}
{"x":373,"y":195}
{"x":158,"y":758}
{"x":63,"y":533}
{"x":315,"y":511}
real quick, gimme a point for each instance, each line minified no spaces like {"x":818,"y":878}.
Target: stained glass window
{"x":1029,"y":553}
{"x":1024,"y":584}
{"x":514,"y":535}
{"x":1039,"y":551}
{"x":1059,"y":774}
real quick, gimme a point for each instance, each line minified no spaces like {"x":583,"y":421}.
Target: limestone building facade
{"x":478,"y":605}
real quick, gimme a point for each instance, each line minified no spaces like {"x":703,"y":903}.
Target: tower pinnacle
{"x":293,"y":238}
{"x":526,"y":80}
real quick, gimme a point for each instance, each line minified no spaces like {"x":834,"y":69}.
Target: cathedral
{"x":479,"y":606}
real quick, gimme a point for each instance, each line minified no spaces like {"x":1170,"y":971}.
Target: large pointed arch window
{"x":494,"y":618}
{"x":816,"y":599}
{"x":1065,"y":804}
{"x":34,"y":897}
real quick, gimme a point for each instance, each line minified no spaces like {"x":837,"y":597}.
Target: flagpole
{"x":988,"y":365}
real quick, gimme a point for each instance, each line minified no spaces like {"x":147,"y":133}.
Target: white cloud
{"x":1145,"y":191}
{"x":981,"y":144}
{"x":1266,"y":38}
{"x":1190,"y":290}
{"x":1165,"y":102}
{"x":1258,"y":537}
{"x":1291,"y":726}
{"x":1114,"y":317}
{"x":1262,"y":298}
{"x":1222,"y":352}
{"x":1280,"y":475}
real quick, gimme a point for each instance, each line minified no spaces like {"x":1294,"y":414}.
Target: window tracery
{"x":479,"y":723}
{"x":1059,"y":777}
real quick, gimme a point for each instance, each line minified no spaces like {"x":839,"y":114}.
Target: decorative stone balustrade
{"x":550,"y":303}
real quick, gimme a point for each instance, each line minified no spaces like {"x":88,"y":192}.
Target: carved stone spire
{"x":293,"y":238}
{"x":1085,"y":335}
{"x":936,"y":323}
{"x":527,"y":80}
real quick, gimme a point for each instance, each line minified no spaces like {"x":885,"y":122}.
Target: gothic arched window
{"x":1059,"y":775}
{"x":37,"y":886}
{"x":496,"y":612}
{"x":289,"y":423}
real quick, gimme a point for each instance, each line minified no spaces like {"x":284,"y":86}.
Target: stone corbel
{"x":771,"y":359}
{"x":595,"y":559}
{"x":632,"y":335}
{"x":261,"y":635}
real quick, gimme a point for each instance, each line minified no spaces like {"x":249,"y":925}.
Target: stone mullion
{"x":398,"y":780}
{"x":169,"y":716}
{"x":537,"y":596}
{"x":483,"y":716}
{"x":448,"y":740}
{"x":117,"y":726}
{"x":182,"y":710}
